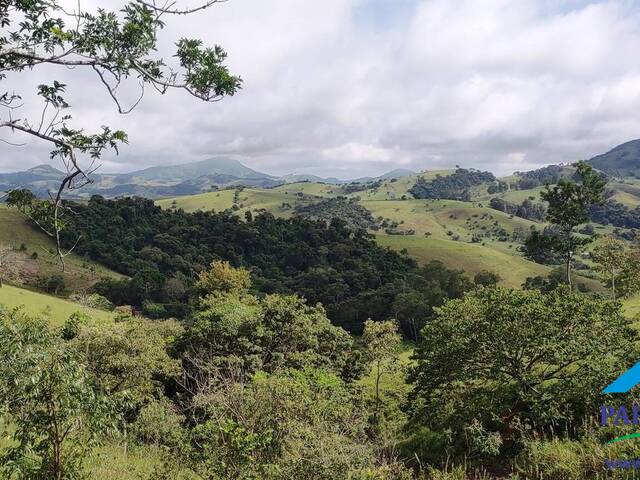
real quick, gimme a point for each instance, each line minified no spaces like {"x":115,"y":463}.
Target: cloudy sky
{"x":359,"y":87}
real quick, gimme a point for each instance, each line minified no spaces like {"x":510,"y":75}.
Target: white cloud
{"x":492,"y":84}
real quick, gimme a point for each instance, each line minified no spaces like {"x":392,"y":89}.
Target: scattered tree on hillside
{"x":119,"y":47}
{"x":569,"y":204}
{"x":486,"y":278}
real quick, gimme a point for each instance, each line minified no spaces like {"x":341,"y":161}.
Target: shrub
{"x":159,"y":424}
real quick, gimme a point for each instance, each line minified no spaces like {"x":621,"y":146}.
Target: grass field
{"x":249,"y":199}
{"x":14,"y":232}
{"x":472,"y":258}
{"x":56,"y":309}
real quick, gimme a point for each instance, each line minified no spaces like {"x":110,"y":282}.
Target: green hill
{"x":622,"y":161}
{"x":37,"y":258}
{"x":56,"y":309}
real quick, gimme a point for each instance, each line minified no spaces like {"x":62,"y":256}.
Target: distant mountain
{"x":169,"y":181}
{"x":397,"y":173}
{"x":190,"y":171}
{"x":295,"y":178}
{"x":622,"y":161}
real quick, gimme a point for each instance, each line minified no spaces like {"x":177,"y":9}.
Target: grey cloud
{"x":331,"y":89}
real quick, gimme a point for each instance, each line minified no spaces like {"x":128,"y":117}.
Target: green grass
{"x":56,"y":309}
{"x":631,"y":306}
{"x":250,"y":199}
{"x":79,"y":273}
{"x":471,"y":258}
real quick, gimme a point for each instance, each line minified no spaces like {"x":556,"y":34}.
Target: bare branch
{"x":168,"y":8}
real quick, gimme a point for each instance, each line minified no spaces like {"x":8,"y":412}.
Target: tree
{"x":512,"y":357}
{"x":382,"y":345}
{"x":50,"y":399}
{"x":117,"y":47}
{"x":569,"y":204}
{"x":611,"y":258}
{"x":486,"y":278}
{"x":412,"y":309}
{"x":223,"y":277}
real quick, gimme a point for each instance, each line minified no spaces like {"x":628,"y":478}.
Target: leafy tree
{"x":236,"y":330}
{"x":412,"y":309}
{"x":51,"y":399}
{"x":117,"y":47}
{"x":569,"y":205}
{"x":509,"y":357}
{"x":129,"y":359}
{"x":610,"y":256}
{"x":485,"y":278}
{"x":382,"y":345}
{"x":221,"y":276}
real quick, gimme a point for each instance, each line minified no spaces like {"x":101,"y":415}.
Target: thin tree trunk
{"x":613,"y":283}
{"x":375,"y":413}
{"x":569,"y":282}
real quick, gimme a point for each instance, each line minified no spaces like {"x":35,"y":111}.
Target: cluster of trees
{"x":361,"y":187}
{"x":349,"y":209}
{"x":527,"y":209}
{"x":451,"y":187}
{"x":266,"y":387}
{"x":616,"y":214}
{"x":542,"y":176}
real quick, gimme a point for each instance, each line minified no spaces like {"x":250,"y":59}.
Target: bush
{"x":53,"y":284}
{"x":159,"y":424}
{"x":154,"y":310}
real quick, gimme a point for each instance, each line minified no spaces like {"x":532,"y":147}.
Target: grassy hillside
{"x":277,"y":201}
{"x":442,"y":229}
{"x":14,"y":232}
{"x":472,"y":258}
{"x":57,"y":309}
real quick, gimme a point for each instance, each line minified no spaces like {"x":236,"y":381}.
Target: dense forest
{"x":163,"y":251}
{"x":451,"y":187}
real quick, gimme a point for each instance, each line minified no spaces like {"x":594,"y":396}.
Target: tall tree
{"x":382,"y":344}
{"x":611,"y":257}
{"x":119,"y":47}
{"x":569,"y":204}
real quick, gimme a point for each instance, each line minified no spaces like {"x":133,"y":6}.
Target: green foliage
{"x":73,"y":324}
{"x":291,"y":424}
{"x":348,"y":209}
{"x":513,"y":358}
{"x":50,"y":398}
{"x":610,"y":257}
{"x":238,"y":330}
{"x":158,"y":423}
{"x":224,"y":278}
{"x":324,"y":263}
{"x":129,"y":359}
{"x":454,"y":187}
{"x":381,"y":350}
{"x":569,"y":205}
{"x":486,"y":278}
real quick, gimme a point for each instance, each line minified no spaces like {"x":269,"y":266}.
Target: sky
{"x":350,"y":88}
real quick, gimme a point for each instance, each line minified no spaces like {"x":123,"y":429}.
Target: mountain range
{"x":221,"y":172}
{"x":169,"y":181}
